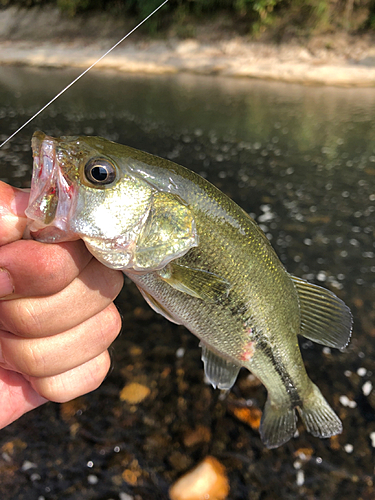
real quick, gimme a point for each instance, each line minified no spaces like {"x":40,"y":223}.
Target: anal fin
{"x":221,"y":373}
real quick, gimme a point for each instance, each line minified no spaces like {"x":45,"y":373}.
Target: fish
{"x":199,"y":260}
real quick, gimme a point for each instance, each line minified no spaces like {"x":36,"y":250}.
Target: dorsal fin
{"x":325,"y":318}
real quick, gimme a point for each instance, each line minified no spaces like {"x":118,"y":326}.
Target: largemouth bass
{"x":199,"y":260}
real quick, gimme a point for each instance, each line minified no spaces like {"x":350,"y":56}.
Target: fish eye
{"x":100,"y":171}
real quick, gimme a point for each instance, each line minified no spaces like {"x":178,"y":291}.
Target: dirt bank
{"x":42,"y":37}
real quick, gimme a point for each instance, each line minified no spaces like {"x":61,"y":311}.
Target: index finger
{"x":39,"y":269}
{"x":13,"y":203}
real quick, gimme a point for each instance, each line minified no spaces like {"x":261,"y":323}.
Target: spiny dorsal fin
{"x":195,"y":282}
{"x":325,"y":318}
{"x":220,"y":372}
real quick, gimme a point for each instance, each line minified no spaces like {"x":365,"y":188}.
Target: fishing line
{"x":82,"y":74}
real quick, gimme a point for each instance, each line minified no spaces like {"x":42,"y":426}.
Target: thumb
{"x":13,"y":203}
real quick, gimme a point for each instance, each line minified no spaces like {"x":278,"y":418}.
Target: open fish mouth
{"x":52,"y":194}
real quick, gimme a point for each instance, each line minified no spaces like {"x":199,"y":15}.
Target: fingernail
{"x":20,"y":201}
{"x":6,"y":283}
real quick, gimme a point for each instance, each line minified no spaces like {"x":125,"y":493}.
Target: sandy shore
{"x":338,"y":60}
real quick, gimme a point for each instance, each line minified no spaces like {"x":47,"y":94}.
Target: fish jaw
{"x":52,"y":194}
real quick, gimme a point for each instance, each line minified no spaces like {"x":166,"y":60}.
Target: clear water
{"x":300,"y":159}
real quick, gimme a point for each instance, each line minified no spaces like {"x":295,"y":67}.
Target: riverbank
{"x":42,"y":37}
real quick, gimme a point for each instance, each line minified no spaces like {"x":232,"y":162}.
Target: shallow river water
{"x":301,"y":161}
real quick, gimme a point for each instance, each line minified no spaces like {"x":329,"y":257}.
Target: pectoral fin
{"x":220,"y":372}
{"x":195,"y":282}
{"x":325,"y":319}
{"x":156,"y":306}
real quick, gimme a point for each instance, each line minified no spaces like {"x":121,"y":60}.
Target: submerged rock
{"x":208,"y":480}
{"x":134,"y":393}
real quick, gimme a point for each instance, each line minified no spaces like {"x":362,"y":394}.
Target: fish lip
{"x":52,"y":194}
{"x":50,"y":234}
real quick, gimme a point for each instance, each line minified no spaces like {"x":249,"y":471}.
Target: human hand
{"x":57,"y":316}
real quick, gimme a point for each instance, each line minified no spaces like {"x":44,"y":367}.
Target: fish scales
{"x":199,"y":260}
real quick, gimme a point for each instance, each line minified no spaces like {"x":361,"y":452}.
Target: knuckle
{"x":97,"y":370}
{"x":74,"y":383}
{"x":32,"y":360}
{"x":105,"y":327}
{"x":24,"y":356}
{"x":49,"y":388}
{"x":28,"y":318}
{"x":22,"y":317}
{"x":111,"y":323}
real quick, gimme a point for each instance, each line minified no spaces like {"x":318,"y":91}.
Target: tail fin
{"x":278,"y":424}
{"x":319,"y":418}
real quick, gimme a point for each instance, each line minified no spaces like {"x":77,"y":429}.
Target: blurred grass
{"x":278,"y":17}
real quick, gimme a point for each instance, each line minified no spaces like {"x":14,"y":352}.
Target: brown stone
{"x":208,"y":480}
{"x":134,"y":393}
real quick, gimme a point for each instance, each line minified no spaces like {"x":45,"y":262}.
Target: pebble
{"x":134,"y":393}
{"x":300,"y":480}
{"x":367,"y":388}
{"x":361,"y":371}
{"x":180,"y":462}
{"x":304,"y":454}
{"x":13,"y":447}
{"x":27,"y":465}
{"x":345,"y":401}
{"x":349,"y":448}
{"x":250,"y":416}
{"x":125,"y":496}
{"x":334,"y":442}
{"x":92,"y":479}
{"x":180,"y":353}
{"x":208,"y":480}
{"x":201,"y":434}
{"x":72,"y":408}
{"x":245,"y":411}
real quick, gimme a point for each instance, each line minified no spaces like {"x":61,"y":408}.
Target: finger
{"x":17,"y":397}
{"x":13,"y":203}
{"x":73,"y":383}
{"x":57,"y":354}
{"x":37,"y":269}
{"x":91,"y":292}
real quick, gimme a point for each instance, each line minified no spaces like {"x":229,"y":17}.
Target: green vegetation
{"x":281,"y":17}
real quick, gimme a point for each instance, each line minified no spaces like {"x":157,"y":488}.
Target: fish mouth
{"x":52,"y":194}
